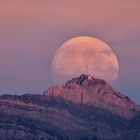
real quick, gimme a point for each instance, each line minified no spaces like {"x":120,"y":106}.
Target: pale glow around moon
{"x":84,"y":55}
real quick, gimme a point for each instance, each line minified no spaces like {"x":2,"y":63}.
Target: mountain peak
{"x":85,"y":78}
{"x":85,"y":108}
{"x":91,"y":91}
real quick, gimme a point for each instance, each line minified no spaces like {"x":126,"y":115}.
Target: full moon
{"x":84,"y":55}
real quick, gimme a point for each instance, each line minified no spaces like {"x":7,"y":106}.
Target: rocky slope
{"x":82,"y":109}
{"x":91,"y":91}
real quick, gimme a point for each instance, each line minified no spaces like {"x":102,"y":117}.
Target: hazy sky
{"x":32,"y":30}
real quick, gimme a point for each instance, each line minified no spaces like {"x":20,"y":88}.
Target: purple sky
{"x":32,"y":30}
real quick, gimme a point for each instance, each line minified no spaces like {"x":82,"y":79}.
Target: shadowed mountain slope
{"x":82,"y":109}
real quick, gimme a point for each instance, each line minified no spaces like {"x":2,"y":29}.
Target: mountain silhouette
{"x":84,"y":108}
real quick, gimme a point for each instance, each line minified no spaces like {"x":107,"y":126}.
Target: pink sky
{"x":32,"y":30}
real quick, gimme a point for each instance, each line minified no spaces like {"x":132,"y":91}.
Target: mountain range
{"x":84,"y":108}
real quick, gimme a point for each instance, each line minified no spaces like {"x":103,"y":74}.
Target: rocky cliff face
{"x":94,"y":92}
{"x":82,"y":109}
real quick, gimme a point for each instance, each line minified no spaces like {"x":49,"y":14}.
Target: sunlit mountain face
{"x":69,"y":70}
{"x":84,"y":108}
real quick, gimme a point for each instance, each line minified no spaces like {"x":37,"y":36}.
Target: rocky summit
{"x":85,"y":108}
{"x":86,"y":90}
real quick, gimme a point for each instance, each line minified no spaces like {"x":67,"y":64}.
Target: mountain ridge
{"x":93,"y":91}
{"x":60,"y":114}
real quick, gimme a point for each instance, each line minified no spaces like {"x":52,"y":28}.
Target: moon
{"x":84,"y":55}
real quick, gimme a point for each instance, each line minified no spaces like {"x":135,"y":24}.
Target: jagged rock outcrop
{"x":82,"y":109}
{"x":93,"y":91}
